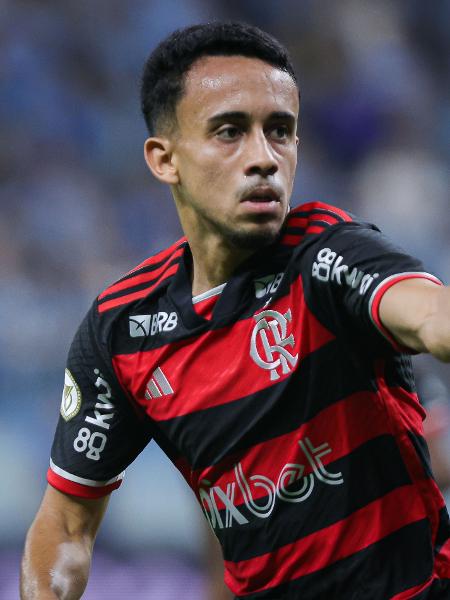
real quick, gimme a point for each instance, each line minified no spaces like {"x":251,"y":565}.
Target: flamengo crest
{"x":269,"y":340}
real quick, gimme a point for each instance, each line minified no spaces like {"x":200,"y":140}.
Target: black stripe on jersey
{"x":301,"y":231}
{"x":443,"y":532}
{"x":295,"y":230}
{"x":438,"y":590}
{"x":399,"y":372}
{"x":327,"y":504}
{"x":315,"y":211}
{"x":421,"y":448}
{"x":278,"y":411}
{"x":148,"y":268}
{"x":363,"y":575}
{"x":141,"y":286}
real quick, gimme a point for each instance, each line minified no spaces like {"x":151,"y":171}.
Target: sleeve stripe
{"x":76,"y":489}
{"x":381,"y":289}
{"x":81,"y":480}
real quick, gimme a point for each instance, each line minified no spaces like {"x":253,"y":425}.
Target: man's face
{"x":235,"y":149}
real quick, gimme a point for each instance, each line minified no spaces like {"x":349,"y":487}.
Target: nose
{"x":260,"y":156}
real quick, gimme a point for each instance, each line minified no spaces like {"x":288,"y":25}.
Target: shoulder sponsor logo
{"x":329,"y":266}
{"x":92,"y":443}
{"x":71,"y":397}
{"x":158,"y":385}
{"x":269,"y":340}
{"x":267,"y":285}
{"x":145,"y":325}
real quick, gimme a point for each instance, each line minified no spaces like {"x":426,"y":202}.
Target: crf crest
{"x":269,"y":341}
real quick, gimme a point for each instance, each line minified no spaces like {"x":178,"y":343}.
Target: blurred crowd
{"x":78,"y":207}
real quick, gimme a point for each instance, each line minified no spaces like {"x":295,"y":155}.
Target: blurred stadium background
{"x":78,"y":208}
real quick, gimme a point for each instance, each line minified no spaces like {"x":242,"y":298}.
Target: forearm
{"x":435,"y":331}
{"x":55,"y":565}
{"x":417,"y":314}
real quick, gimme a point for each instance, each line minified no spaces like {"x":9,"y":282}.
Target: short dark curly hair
{"x":164,"y":72}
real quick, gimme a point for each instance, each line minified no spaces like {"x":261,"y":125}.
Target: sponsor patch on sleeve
{"x":71,"y":397}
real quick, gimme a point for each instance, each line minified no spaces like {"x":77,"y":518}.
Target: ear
{"x":158,"y":156}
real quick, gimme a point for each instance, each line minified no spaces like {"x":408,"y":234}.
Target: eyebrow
{"x":237,"y":115}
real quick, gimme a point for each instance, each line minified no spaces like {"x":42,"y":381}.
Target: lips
{"x":261,"y":194}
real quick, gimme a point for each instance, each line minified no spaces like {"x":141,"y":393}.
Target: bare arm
{"x":417,"y":314}
{"x":58,"y":547}
{"x":217,"y":590}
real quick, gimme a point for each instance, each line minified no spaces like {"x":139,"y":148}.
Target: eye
{"x":280,"y":132}
{"x":229,"y":133}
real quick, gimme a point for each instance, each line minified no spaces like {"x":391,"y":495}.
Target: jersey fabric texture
{"x":289,"y":410}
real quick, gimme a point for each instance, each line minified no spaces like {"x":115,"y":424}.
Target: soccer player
{"x":266,"y":353}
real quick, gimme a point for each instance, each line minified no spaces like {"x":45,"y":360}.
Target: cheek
{"x":290,"y":163}
{"x":201,"y":168}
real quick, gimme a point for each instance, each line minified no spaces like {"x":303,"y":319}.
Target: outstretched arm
{"x":216,"y":588}
{"x":59,"y":545}
{"x":417,"y":314}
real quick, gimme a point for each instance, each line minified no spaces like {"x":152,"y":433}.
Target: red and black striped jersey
{"x":288,"y":408}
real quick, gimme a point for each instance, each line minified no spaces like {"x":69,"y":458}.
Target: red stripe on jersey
{"x":148,"y":262}
{"x":77,"y":489}
{"x":303,"y":222}
{"x":382,"y":288}
{"x":239,"y":375}
{"x":408,"y":408}
{"x":205,"y":308}
{"x":108,"y":304}
{"x":443,"y":561}
{"x":427,"y":488}
{"x":307,"y":222}
{"x":316,"y":551}
{"x":361,"y":416}
{"x":315,"y":229}
{"x":291,"y":240}
{"x":412,"y":592}
{"x":323,"y":206}
{"x":140,"y":278}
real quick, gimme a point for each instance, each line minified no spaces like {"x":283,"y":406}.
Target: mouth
{"x":261,"y":195}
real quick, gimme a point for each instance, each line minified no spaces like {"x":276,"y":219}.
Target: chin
{"x":253,"y":240}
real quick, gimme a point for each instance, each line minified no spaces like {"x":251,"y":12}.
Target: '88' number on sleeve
{"x":94,"y":442}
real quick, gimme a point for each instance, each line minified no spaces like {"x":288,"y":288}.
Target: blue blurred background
{"x":78,"y":208}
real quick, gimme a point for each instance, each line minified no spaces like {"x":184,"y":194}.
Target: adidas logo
{"x":158,"y":385}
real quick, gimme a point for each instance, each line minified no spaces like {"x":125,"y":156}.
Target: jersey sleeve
{"x":350,"y":267}
{"x":99,"y":432}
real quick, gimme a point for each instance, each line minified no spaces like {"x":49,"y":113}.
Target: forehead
{"x":218,"y":84}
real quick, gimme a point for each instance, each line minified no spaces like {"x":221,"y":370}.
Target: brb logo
{"x":269,"y":340}
{"x":145,"y":325}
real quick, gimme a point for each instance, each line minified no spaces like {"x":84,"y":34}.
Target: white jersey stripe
{"x":82,"y":480}
{"x":215,"y":291}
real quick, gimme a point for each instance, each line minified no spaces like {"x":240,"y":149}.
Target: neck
{"x":215,"y":258}
{"x":214,"y":262}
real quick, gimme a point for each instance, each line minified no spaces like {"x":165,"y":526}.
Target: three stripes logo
{"x":157,"y":385}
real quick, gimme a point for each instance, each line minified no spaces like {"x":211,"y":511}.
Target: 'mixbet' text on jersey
{"x":295,"y":483}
